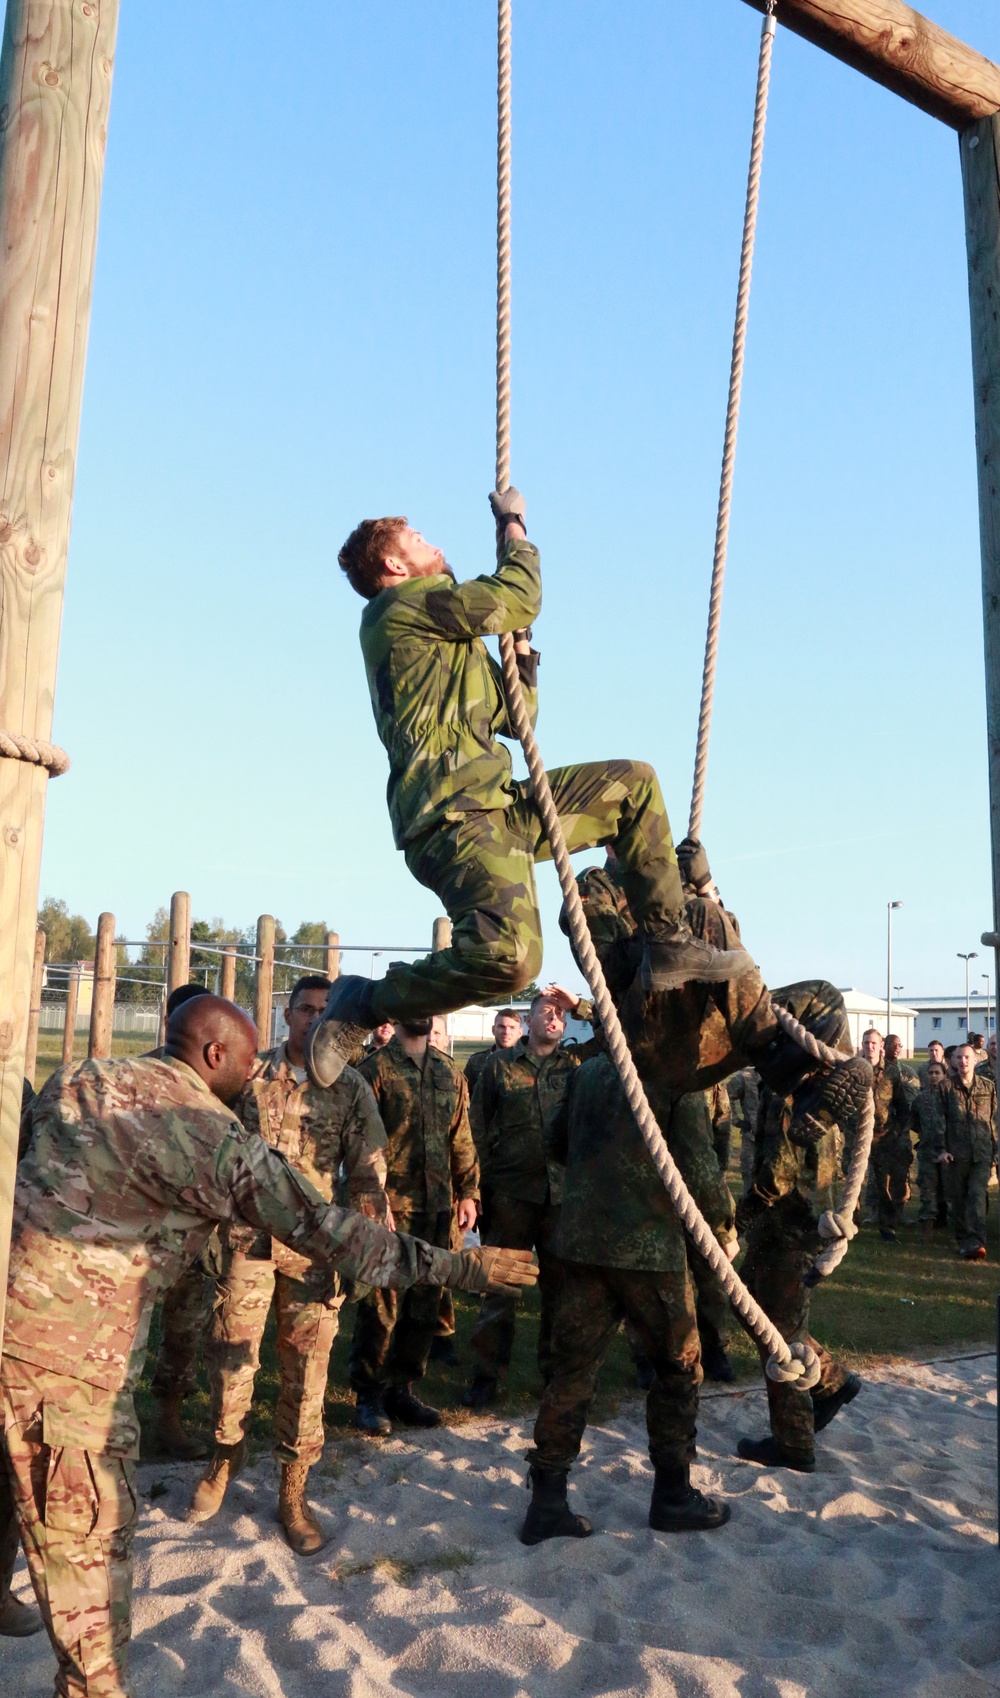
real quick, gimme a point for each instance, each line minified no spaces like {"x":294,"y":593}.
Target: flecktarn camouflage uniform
{"x":316,"y":1130}
{"x":892,"y":1146}
{"x":927,"y":1121}
{"x":432,"y":1166}
{"x":970,"y":1138}
{"x":129,"y":1167}
{"x":468,"y":829}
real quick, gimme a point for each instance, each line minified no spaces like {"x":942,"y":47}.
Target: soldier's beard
{"x":416,"y":1028}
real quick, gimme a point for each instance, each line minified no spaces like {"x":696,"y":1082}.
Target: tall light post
{"x":973,"y":955}
{"x":888,"y":965}
{"x":986,"y":976}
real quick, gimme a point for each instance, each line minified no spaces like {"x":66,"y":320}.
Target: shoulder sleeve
{"x":464,"y":1161}
{"x":507,"y":600}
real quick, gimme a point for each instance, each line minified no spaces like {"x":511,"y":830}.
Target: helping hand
{"x":501,"y":1273}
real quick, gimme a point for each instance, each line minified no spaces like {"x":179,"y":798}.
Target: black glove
{"x":507,"y":506}
{"x":693,"y":863}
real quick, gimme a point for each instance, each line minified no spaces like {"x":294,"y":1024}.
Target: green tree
{"x":68,"y":937}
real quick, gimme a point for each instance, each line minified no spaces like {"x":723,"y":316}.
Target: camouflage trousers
{"x":782,"y":1244}
{"x":446,"y":1308}
{"x":966,"y":1180}
{"x":69,"y":1451}
{"x":892,"y":1158}
{"x":747,"y":1152}
{"x":394,"y":1330}
{"x":483,"y":870}
{"x":931,"y":1184}
{"x":590,"y":1306}
{"x":307,"y":1311}
{"x":185,"y":1318}
{"x":519,"y":1226}
{"x":712,"y":1312}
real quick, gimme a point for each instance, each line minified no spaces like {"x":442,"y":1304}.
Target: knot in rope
{"x":836,"y":1224}
{"x":802,"y":1372}
{"x":14,"y":747}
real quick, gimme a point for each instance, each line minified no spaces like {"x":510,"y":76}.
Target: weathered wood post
{"x":333,"y":955}
{"x":979,"y":147}
{"x":441,"y":935}
{"x":55,"y":92}
{"x":102,"y":1009}
{"x":69,"y":1018}
{"x":179,"y":942}
{"x":228,"y":985}
{"x":264,"y":979}
{"x":35,"y":1009}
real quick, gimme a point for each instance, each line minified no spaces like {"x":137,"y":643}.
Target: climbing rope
{"x":796,"y":1363}
{"x":14,"y":747}
{"x":732,"y":421}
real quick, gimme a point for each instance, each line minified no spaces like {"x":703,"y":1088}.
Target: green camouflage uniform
{"x":517,"y":1093}
{"x":744,"y":1100}
{"x":130,"y":1165}
{"x":970,"y":1138}
{"x":317,"y":1131}
{"x":625,"y":1257}
{"x":468,"y":829}
{"x":432,"y":1166}
{"x":927,"y":1121}
{"x":722,"y":1124}
{"x":892,"y":1147}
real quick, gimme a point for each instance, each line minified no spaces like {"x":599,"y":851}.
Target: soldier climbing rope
{"x":795,"y":1363}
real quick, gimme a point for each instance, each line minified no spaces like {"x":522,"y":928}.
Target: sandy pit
{"x":878,"y":1574}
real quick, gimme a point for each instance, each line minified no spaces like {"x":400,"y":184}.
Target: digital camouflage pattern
{"x":129,"y":1166}
{"x":927,"y":1121}
{"x":184,"y":1322}
{"x":970,"y":1138}
{"x":430,"y":1155}
{"x":320,"y":1131}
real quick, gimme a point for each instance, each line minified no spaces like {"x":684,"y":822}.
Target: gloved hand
{"x":502,"y":1273}
{"x":508,"y":505}
{"x":693,"y":863}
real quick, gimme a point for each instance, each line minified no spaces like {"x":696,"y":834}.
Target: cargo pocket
{"x":87,"y":1493}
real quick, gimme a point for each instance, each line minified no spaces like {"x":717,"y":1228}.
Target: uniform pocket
{"x":88,"y":1493}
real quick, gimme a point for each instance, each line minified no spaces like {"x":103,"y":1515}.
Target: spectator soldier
{"x":970,"y":1148}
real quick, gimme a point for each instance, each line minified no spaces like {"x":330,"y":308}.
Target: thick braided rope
{"x":732,"y":423}
{"x":836,"y":1225}
{"x":796,"y":1362}
{"x":14,"y":747}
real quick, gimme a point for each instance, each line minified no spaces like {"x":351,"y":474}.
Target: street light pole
{"x":986,"y":976}
{"x":888,"y":965}
{"x":973,"y":955}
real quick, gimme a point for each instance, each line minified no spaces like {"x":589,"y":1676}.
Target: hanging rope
{"x":796,"y":1363}
{"x":732,"y":422}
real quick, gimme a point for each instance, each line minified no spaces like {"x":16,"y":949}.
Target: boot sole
{"x":692,"y":1523}
{"x":674,"y":980}
{"x":543,"y":1538}
{"x":327,"y":1048}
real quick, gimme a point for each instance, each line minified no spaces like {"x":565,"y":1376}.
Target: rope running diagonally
{"x":732,"y":422}
{"x":796,"y":1363}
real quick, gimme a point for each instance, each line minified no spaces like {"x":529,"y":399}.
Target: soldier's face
{"x":547,"y":1021}
{"x":229,"y":1064}
{"x":506,"y":1031}
{"x":991,"y":1049}
{"x":300,"y":1014}
{"x":935,"y":1073}
{"x":420,"y":558}
{"x":871,"y":1047}
{"x":964,"y":1063}
{"x":892,"y":1048}
{"x":936,"y":1052}
{"x":439,"y":1032}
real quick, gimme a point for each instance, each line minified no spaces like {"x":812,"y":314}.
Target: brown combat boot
{"x":302,"y":1530}
{"x":170,"y":1434}
{"x":17,"y":1620}
{"x":211,"y":1488}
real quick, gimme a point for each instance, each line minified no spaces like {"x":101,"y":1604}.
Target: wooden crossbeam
{"x":902,"y":50}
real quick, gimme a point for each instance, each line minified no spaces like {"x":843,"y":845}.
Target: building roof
{"x":862,"y":1002}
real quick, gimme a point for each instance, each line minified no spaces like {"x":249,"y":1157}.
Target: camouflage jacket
{"x":131,"y":1164}
{"x":475,"y":1064}
{"x":970,"y":1119}
{"x":927,"y":1118}
{"x":615,"y":1211}
{"x":744,"y":1100}
{"x":437,"y":694}
{"x":781,"y":1167}
{"x":984,"y":1070}
{"x":719,"y":1107}
{"x":425,"y":1111}
{"x":892,"y":1100}
{"x":317,"y":1130}
{"x":515,"y":1097}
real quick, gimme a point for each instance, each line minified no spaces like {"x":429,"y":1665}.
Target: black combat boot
{"x":480,"y":1393}
{"x":340,"y":1030}
{"x":370,"y":1416}
{"x":682,"y":958}
{"x":825,"y":1408}
{"x":771,"y":1454}
{"x":549,"y":1515}
{"x":678,"y":1507}
{"x":832,"y":1096}
{"x":443,"y":1350}
{"x":716,"y":1364}
{"x":401,"y":1405}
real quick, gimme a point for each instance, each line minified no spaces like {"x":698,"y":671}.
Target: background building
{"x":943,"y":1017}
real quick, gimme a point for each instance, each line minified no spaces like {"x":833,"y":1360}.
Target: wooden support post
{"x":35,"y":1008}
{"x":265,"y":979}
{"x":333,"y":955}
{"x":899,"y":48}
{"x":102,"y":1009}
{"x":979,"y":147}
{"x":55,"y":92}
{"x":441,"y":935}
{"x":179,"y":943}
{"x":69,"y":1018}
{"x":228,"y":985}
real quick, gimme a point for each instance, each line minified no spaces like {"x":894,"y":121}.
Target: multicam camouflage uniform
{"x":744,"y":1100}
{"x":624,"y":1254}
{"x":892,"y":1147}
{"x":517,"y":1093}
{"x":316,"y":1130}
{"x":432,"y":1166}
{"x":970,"y":1138}
{"x":927,"y":1121}
{"x":130,"y":1165}
{"x":468,"y":829}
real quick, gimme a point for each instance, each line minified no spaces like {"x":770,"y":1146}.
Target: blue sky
{"x":293,"y":327}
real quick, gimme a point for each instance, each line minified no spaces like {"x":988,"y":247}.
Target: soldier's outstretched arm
{"x":509,"y":599}
{"x":272,"y":1195}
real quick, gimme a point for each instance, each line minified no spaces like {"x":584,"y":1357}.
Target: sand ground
{"x":879,"y":1574}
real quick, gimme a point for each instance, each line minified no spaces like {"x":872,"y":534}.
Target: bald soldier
{"x":130,"y":1165}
